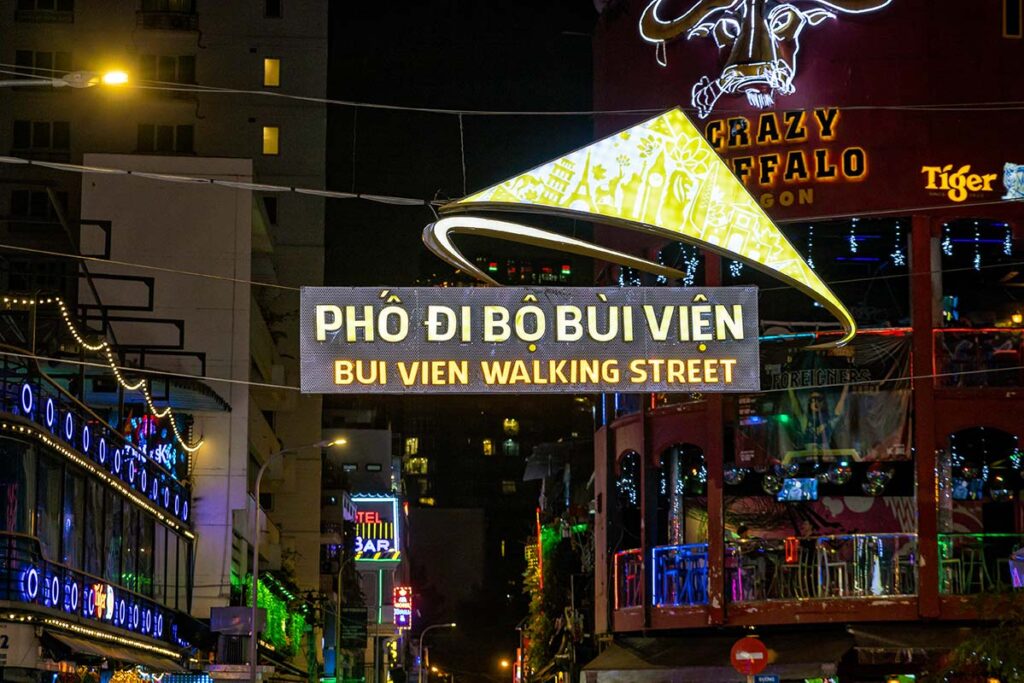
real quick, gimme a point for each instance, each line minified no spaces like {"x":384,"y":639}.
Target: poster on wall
{"x":850,"y":403}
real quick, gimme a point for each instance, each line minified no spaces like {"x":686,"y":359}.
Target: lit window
{"x":511,"y":426}
{"x":412,"y":445}
{"x":416,"y":466}
{"x":508,"y":487}
{"x":429,"y":502}
{"x":510,"y":447}
{"x":271,"y":140}
{"x":271,"y":72}
{"x":488,"y":447}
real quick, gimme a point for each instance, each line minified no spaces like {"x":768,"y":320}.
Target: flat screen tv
{"x":798,"y":489}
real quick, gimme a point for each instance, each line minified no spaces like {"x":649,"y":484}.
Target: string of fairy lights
{"x":103,"y":347}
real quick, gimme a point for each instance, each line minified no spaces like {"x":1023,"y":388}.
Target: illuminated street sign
{"x":402,"y":605}
{"x":542,"y":339}
{"x":377,"y":528}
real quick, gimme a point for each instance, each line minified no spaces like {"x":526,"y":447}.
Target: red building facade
{"x":868,"y":486}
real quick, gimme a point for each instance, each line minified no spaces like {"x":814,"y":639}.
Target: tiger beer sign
{"x":511,"y":340}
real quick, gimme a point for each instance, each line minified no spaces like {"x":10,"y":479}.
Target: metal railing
{"x":27,"y":577}
{"x":821,"y":567}
{"x":979,"y":357}
{"x":30,"y":395}
{"x":971,"y":564}
{"x":629,"y":568}
{"x":680,"y":575}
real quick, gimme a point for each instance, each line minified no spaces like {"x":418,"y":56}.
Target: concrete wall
{"x":148,"y":230}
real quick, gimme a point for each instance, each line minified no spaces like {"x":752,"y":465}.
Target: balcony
{"x":979,"y":357}
{"x":680,"y":575}
{"x":629,"y":568}
{"x":972,"y":564}
{"x":167,"y":19}
{"x":31,"y":579}
{"x":821,"y":568}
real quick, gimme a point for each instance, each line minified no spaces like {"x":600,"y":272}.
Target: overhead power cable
{"x":171,"y":86}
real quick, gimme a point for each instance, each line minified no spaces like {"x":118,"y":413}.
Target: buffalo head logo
{"x":762,"y":38}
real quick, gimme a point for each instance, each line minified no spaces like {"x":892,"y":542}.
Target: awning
{"x":94,"y":648}
{"x":699,"y":658}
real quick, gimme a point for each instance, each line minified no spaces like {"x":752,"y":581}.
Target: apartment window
{"x":412,"y":445}
{"x":270,"y":206}
{"x":349,"y":467}
{"x":165,"y":139}
{"x":36,"y":205}
{"x":1013,"y":21}
{"x":59,"y":11}
{"x":34,"y":63}
{"x":511,"y":426}
{"x":508,"y":487}
{"x":488,"y":447}
{"x":272,"y":9}
{"x":510,"y":447}
{"x":271,"y":140}
{"x":272,"y":72}
{"x":182,"y":6}
{"x":41,"y":135}
{"x":416,"y":466}
{"x":169,"y":69}
{"x":373,"y":467}
{"x":427,"y":502}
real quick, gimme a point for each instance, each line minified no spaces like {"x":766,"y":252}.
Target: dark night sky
{"x":463,"y":54}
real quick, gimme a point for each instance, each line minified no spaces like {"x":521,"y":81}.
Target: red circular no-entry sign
{"x":749,"y":656}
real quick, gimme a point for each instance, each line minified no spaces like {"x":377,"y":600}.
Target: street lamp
{"x":419,"y":655}
{"x":254,"y":521}
{"x":73,"y":79}
{"x":505,"y":664}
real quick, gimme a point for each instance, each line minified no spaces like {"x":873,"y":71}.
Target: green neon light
{"x":285,"y":626}
{"x":380,"y":596}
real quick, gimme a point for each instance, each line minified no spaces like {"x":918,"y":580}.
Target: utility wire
{"x":171,"y":86}
{"x":255,"y":283}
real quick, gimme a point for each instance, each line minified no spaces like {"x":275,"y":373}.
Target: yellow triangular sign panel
{"x":662,"y":176}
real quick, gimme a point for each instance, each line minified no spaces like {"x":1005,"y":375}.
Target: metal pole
{"x":337,"y":618}
{"x":254,"y":521}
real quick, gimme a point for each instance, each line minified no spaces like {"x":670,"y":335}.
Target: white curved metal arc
{"x":437,"y":238}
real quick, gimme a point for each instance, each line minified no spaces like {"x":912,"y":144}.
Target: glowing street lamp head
{"x":115,"y":77}
{"x":505,"y":664}
{"x":339,"y":442}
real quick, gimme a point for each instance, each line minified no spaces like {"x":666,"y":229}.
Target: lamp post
{"x":254,"y":522}
{"x":419,"y":651}
{"x":73,"y":79}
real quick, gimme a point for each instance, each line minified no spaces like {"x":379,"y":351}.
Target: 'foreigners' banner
{"x":519,"y":340}
{"x":849,"y":403}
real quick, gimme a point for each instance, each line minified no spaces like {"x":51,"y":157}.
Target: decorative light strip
{"x":104,"y":346}
{"x":85,"y":463}
{"x":111,"y":637}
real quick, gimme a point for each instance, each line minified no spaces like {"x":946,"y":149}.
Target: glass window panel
{"x":19,"y":207}
{"x":62,"y":62}
{"x":271,"y":140}
{"x":112,"y":541}
{"x":272,"y":72}
{"x":147,"y":67}
{"x":22,"y":138}
{"x":17,"y":486}
{"x":49,"y":485}
{"x":130,"y":552}
{"x":182,"y":574}
{"x":185,"y":142}
{"x":39,"y":205}
{"x":24,"y":61}
{"x":172,"y":570}
{"x":147,"y":132}
{"x":160,"y":563}
{"x":44,"y":63}
{"x":187,"y":69}
{"x":167,"y":69}
{"x":94,"y":529}
{"x":146,"y":553}
{"x":72,"y":524}
{"x":40,"y":134}
{"x":165,"y":138}
{"x":61,"y":135}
